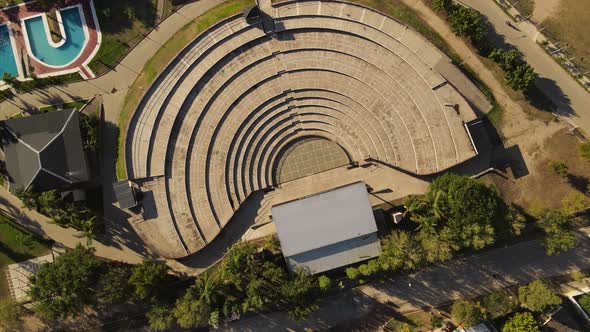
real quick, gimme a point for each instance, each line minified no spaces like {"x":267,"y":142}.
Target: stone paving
{"x":218,"y":119}
{"x":307,"y":157}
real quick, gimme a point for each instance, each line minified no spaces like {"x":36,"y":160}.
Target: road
{"x":571,"y":98}
{"x":432,"y":286}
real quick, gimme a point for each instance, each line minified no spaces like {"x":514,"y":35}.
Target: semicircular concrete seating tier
{"x":215,"y":121}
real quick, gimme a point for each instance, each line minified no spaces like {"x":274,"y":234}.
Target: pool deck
{"x":14,"y":16}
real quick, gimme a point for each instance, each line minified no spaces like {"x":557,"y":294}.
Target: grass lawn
{"x":6,"y":3}
{"x":77,"y":104}
{"x":162,"y":58}
{"x":123,"y":24}
{"x":16,"y":245}
{"x":570,"y":25}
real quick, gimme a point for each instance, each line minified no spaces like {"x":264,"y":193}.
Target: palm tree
{"x":87,"y":226}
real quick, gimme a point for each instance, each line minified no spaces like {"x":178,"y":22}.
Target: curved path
{"x":209,"y":130}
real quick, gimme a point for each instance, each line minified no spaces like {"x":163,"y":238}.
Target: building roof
{"x":327,"y":230}
{"x":44,"y":151}
{"x":124,"y":194}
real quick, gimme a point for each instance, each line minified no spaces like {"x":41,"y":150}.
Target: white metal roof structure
{"x":327,"y":230}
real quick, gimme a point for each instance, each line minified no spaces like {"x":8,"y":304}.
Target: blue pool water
{"x":64,"y":54}
{"x":7,"y":59}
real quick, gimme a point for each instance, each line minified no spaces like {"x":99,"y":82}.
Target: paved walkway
{"x":433,"y":286}
{"x":113,"y":248}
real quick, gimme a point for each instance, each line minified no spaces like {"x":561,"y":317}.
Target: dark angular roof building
{"x":44,"y":151}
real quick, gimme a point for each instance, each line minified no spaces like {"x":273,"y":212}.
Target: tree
{"x":437,"y":246}
{"x":196,"y":307}
{"x":324,"y":282}
{"x":521,"y":77}
{"x":113,"y":286}
{"x":537,"y":296}
{"x":160,"y":317}
{"x":352,"y":273}
{"x":191,"y":313}
{"x":584,"y":150}
{"x":400,"y":250}
{"x":556,"y":225}
{"x":466,"y":313}
{"x":406,"y":328}
{"x":421,"y":211}
{"x":62,"y":288}
{"x":508,"y":60}
{"x":49,"y":202}
{"x":146,"y":277}
{"x":521,"y":322}
{"x":89,"y":125}
{"x":516,"y":220}
{"x":440,"y":5}
{"x":301,"y":295}
{"x":238,"y":265}
{"x":574,"y":201}
{"x":467,"y":22}
{"x":10,"y":315}
{"x":584,"y":302}
{"x":499,"y":304}
{"x":28,"y":197}
{"x":559,"y":168}
{"x":472,"y":210}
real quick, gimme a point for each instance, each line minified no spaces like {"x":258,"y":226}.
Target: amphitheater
{"x":259,"y":95}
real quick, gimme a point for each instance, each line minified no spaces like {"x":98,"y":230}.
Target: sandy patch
{"x":545,"y":8}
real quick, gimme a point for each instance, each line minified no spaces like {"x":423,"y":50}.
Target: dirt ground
{"x":541,"y":188}
{"x":568,"y":22}
{"x":544,"y":9}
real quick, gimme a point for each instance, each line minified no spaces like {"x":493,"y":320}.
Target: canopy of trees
{"x":147,"y":276}
{"x":559,"y":236}
{"x":537,"y":296}
{"x":521,"y":322}
{"x":499,"y":304}
{"x":466,"y":313}
{"x":63,"y":213}
{"x":457,"y":212}
{"x":60,"y":289}
{"x":248,"y":279}
{"x":584,"y":302}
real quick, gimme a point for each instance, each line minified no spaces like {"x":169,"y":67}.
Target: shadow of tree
{"x":118,"y":15}
{"x":580,"y":183}
{"x":244,"y":217}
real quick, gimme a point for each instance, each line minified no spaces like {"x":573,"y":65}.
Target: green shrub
{"x":559,"y":168}
{"x":352,"y":273}
{"x":584,"y":150}
{"x":324,"y":282}
{"x":466,"y":313}
{"x":584,"y":302}
{"x":521,"y":322}
{"x":537,"y":296}
{"x":499,"y":304}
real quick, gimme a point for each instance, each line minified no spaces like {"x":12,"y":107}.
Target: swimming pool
{"x":62,"y":53}
{"x":7,"y":59}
